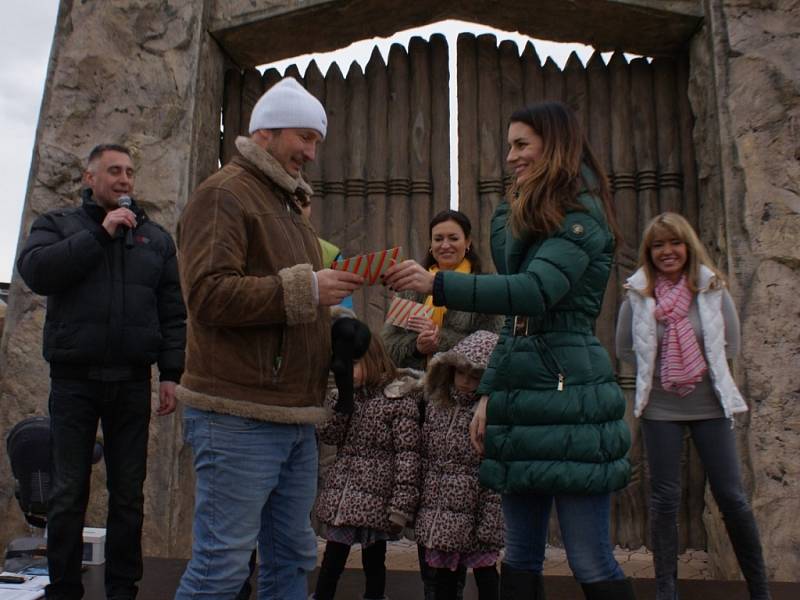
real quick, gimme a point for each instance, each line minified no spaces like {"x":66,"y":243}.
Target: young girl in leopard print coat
{"x":459,"y":523}
{"x":371,"y":490}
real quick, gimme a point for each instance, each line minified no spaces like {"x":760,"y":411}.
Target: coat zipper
{"x":558,"y":371}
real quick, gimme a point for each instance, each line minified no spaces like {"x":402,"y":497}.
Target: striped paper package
{"x":401,"y":309}
{"x":370,"y":266}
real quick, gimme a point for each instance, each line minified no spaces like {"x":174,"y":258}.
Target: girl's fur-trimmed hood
{"x":472,"y":353}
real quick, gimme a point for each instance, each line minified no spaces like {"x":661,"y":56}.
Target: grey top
{"x":702,"y":402}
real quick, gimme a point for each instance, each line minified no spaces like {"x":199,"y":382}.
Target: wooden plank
{"x":511,"y":99}
{"x":251,"y":92}
{"x":419,"y":145}
{"x":377,"y":162}
{"x":293,"y":71}
{"x":532,"y":75}
{"x":467,"y":57}
{"x":644,"y":139}
{"x":623,"y":161}
{"x":553,"y":81}
{"x":490,"y":139}
{"x":231,"y":114}
{"x":597,"y":120}
{"x":333,"y":161}
{"x":356,"y":236}
{"x":576,"y":93}
{"x":690,"y":201}
{"x":399,"y":184}
{"x":667,"y":135}
{"x":440,"y":122}
{"x":313,"y":172}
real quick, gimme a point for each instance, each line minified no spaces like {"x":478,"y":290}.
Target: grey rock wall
{"x":147,"y":75}
{"x":745,"y":92}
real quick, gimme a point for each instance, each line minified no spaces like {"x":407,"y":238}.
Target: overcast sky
{"x":26,"y":34}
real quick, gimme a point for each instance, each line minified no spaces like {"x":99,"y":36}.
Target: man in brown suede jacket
{"x":258,"y":351}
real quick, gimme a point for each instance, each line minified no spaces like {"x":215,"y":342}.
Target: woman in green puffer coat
{"x":550,"y":423}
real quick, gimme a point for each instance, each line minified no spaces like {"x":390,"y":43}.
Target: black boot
{"x":615,"y":589}
{"x":743,"y":533}
{"x":516,"y":584}
{"x":664,"y":544}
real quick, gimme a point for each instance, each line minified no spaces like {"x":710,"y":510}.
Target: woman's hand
{"x":409,"y":275}
{"x":477,"y":427}
{"x":428,"y":341}
{"x":420,"y":324}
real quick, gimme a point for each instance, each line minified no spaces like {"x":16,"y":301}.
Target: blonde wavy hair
{"x":674,"y":225}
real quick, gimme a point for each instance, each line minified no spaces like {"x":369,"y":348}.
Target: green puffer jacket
{"x":543,"y":437}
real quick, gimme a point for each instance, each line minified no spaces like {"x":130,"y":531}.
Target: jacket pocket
{"x":551,"y":363}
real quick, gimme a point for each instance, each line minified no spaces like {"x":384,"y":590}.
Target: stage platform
{"x":161,"y":578}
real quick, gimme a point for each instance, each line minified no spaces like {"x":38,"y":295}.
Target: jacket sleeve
{"x":51,"y":262}
{"x":624,"y":334}
{"x":171,"y":318}
{"x":333,"y":431}
{"x":406,"y":440}
{"x":401,"y":343}
{"x":733,"y":335}
{"x":490,"y":527}
{"x":558,"y":265}
{"x":213,"y":251}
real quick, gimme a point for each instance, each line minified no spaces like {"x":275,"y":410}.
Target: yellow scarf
{"x":438,"y":311}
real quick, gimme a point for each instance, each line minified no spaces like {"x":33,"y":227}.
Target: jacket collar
{"x":98,"y":213}
{"x":638,"y":281}
{"x":270,"y":167}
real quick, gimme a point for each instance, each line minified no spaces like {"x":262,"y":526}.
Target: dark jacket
{"x":541,"y":436}
{"x":112,"y":311}
{"x":259,"y":346}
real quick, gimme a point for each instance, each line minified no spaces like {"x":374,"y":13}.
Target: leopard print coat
{"x":374,"y":480}
{"x":456,"y":514}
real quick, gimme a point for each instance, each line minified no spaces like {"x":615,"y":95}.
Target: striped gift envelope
{"x":400,"y":309}
{"x":370,"y":266}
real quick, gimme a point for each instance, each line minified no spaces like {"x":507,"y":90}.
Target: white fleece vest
{"x":645,"y":341}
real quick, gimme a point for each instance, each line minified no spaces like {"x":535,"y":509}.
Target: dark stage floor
{"x":161,"y":578}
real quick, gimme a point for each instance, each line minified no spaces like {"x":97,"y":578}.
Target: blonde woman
{"x":679,"y":326}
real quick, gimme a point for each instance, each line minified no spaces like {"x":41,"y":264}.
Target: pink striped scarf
{"x":682,"y":361}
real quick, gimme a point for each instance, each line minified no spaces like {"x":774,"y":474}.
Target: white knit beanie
{"x":288,"y":104}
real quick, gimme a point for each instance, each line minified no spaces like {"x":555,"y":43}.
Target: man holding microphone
{"x":114,"y":307}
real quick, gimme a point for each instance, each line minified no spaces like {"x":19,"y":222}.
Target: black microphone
{"x":125,"y":202}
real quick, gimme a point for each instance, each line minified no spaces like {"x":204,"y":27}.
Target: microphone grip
{"x":128,"y":237}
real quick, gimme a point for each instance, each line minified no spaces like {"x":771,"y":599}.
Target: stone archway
{"x":150,"y":74}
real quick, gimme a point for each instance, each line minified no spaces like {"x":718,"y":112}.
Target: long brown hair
{"x":675,"y":225}
{"x":378,"y":366}
{"x":551,"y":185}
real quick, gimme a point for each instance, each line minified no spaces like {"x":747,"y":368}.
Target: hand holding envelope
{"x":370,"y":266}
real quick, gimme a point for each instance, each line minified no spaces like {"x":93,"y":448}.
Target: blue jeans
{"x":256,"y":484}
{"x":584,"y":530}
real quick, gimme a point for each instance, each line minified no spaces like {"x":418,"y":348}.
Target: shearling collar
{"x":267,"y":164}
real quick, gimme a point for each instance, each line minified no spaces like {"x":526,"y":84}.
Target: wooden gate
{"x":639,"y":122}
{"x":384,"y":168}
{"x":383,"y":171}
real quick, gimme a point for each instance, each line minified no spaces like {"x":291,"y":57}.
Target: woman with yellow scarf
{"x":450,"y":249}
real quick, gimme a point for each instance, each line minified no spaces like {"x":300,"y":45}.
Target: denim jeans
{"x":255,"y":484}
{"x":584,"y":531}
{"x":123,"y":408}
